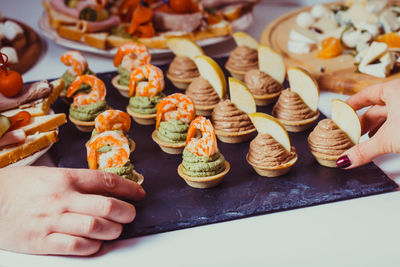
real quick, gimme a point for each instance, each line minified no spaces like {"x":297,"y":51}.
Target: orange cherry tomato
{"x":19,"y":120}
{"x":181,"y":6}
{"x":10,"y":83}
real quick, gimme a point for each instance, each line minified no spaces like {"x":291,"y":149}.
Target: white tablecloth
{"x":359,"y":232}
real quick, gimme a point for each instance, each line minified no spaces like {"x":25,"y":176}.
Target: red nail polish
{"x":343,"y":162}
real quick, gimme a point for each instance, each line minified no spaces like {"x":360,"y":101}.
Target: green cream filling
{"x":125,"y":171}
{"x":172,"y":131}
{"x":88,"y":112}
{"x":123,"y":76}
{"x":202,"y":166}
{"x":69,"y":78}
{"x":144,"y":104}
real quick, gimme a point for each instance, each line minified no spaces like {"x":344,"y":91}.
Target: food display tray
{"x":171,"y":204}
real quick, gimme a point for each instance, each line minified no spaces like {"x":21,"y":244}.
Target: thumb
{"x":362,"y":153}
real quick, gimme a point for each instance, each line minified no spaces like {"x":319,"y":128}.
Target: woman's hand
{"x":63,"y":211}
{"x":381,"y":121}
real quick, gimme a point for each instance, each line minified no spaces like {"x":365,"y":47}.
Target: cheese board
{"x":336,"y":74}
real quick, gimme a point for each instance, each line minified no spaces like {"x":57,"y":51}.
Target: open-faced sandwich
{"x":106,"y":23}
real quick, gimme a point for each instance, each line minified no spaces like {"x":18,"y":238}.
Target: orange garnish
{"x":391,"y":39}
{"x":19,"y":120}
{"x":330,"y":47}
{"x":141,"y":15}
{"x":146,"y":30}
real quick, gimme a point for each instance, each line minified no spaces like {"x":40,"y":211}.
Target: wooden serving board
{"x":339,"y":73}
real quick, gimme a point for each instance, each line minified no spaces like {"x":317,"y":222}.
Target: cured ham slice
{"x":12,"y":137}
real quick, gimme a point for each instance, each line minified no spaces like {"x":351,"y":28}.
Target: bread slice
{"x":98,"y":40}
{"x":70,"y":32}
{"x":56,"y":19}
{"x":44,"y":123}
{"x":42,"y":106}
{"x":33,"y":143}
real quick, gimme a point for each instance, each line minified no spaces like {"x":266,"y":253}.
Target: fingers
{"x":362,"y":153}
{"x":93,"y":181}
{"x":63,"y":244}
{"x":100,"y":206}
{"x":86,"y":226}
{"x":372,"y":118}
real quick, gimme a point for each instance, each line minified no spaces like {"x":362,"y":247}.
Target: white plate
{"x":240,"y":24}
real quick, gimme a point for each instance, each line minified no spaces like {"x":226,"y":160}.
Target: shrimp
{"x":112,"y":120}
{"x":138,"y":84}
{"x":207,"y":144}
{"x":132,"y":55}
{"x":97,"y":93}
{"x":176,"y":106}
{"x":117,"y":155}
{"x":77,"y":62}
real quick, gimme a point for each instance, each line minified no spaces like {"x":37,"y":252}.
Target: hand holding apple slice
{"x":271,"y":62}
{"x":210,"y":71}
{"x":346,"y":118}
{"x":181,"y":46}
{"x":305,"y":86}
{"x":267,"y":124}
{"x":244,"y":39}
{"x":241,"y":96}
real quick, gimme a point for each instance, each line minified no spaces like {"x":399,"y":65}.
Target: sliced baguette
{"x":98,"y":40}
{"x":44,"y":123}
{"x":70,"y":32}
{"x":33,"y":144}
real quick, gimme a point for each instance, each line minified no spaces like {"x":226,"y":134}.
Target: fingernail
{"x":343,"y":162}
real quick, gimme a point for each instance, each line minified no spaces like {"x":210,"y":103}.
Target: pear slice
{"x":210,"y":71}
{"x":241,"y":96}
{"x":346,"y":118}
{"x":305,"y":86}
{"x":185,"y":47}
{"x":271,"y":62}
{"x":267,"y":124}
{"x":244,"y":39}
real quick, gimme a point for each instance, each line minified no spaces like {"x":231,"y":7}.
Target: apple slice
{"x":305,"y":86}
{"x":267,"y":124}
{"x":241,"y":96}
{"x":244,"y":39}
{"x":185,"y":47}
{"x":210,"y":71}
{"x":271,"y":62}
{"x":346,"y":118}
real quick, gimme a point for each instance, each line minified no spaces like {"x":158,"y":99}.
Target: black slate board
{"x":171,"y":204}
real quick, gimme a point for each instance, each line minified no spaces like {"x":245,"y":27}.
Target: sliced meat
{"x":97,"y":26}
{"x":28,"y":93}
{"x":12,"y":137}
{"x":221,"y":3}
{"x":178,"y":22}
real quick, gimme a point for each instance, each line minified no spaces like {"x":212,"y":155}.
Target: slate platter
{"x":171,"y":204}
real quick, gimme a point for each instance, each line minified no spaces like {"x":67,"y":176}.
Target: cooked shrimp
{"x":132,"y":55}
{"x":116,"y":156}
{"x":207,"y":144}
{"x":112,"y":120}
{"x":77,"y":62}
{"x":146,"y":80}
{"x":97,"y":93}
{"x":176,"y":106}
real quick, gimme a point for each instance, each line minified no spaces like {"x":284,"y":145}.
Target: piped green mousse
{"x":172,"y":131}
{"x":123,"y":76}
{"x":202,"y":166}
{"x":144,"y":104}
{"x":88,"y":112}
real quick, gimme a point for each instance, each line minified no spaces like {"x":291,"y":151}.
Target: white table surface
{"x":358,"y":232}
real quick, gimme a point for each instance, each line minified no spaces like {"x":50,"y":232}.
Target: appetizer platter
{"x":344,"y":45}
{"x":20,"y":43}
{"x":60,"y":23}
{"x":238,"y":189}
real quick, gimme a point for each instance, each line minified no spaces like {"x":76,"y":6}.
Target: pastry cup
{"x":140,"y":177}
{"x":204,"y":110}
{"x":238,"y":74}
{"x":326,"y":160}
{"x":234,"y":137}
{"x":170,"y":148}
{"x":298,"y":126}
{"x":273,"y":171}
{"x":143,"y":119}
{"x":267,"y":99}
{"x":180,"y":83}
{"x":123,"y":90}
{"x":83,"y":126}
{"x":204,"y":182}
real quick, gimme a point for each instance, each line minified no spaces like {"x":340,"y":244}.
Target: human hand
{"x":62,"y":211}
{"x":381,"y":121}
